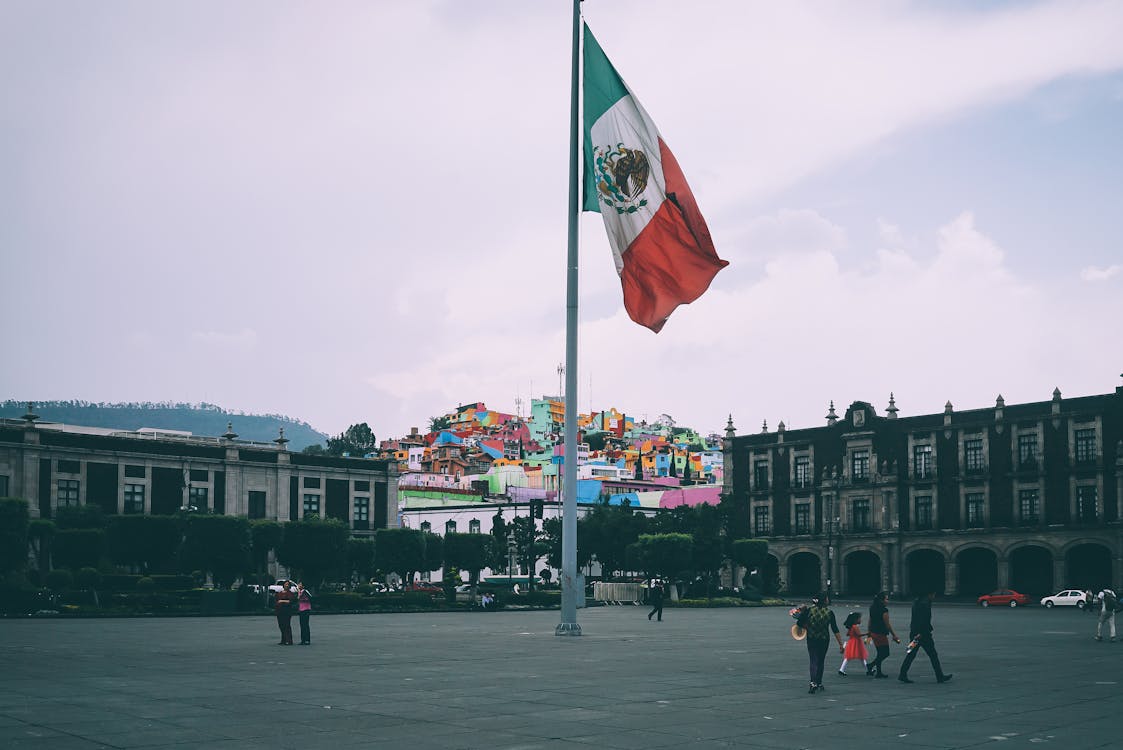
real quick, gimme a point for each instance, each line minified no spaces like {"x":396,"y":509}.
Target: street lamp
{"x":834,"y":508}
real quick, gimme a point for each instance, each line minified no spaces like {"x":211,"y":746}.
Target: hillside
{"x":199,"y":419}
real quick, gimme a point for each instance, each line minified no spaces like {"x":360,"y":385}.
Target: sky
{"x":356,"y":211}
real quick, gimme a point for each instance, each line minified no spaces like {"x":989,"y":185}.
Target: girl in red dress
{"x":855,"y":648}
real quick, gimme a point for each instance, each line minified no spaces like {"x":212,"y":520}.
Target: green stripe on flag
{"x":603,"y":88}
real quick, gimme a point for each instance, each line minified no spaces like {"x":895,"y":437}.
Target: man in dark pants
{"x":920,"y":633}
{"x":656,"y":599}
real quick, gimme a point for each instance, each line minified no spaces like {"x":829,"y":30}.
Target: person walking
{"x":820,"y":623}
{"x":920,"y":637}
{"x":304,"y":611}
{"x":656,"y":590}
{"x":855,"y":649}
{"x":282,"y":607}
{"x":1108,"y":604}
{"x":880,"y":630}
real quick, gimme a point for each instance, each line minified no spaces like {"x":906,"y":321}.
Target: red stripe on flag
{"x":673,"y":260}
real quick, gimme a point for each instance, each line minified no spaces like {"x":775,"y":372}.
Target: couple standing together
{"x":819,"y":622}
{"x":285,"y":602}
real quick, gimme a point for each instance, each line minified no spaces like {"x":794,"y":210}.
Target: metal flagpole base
{"x":567,"y":628}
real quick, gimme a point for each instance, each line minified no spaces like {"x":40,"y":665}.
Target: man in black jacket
{"x":920,"y":637}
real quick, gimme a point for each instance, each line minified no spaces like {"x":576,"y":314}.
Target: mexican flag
{"x":660,"y":242}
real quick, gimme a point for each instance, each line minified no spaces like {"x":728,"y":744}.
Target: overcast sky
{"x":356,"y":211}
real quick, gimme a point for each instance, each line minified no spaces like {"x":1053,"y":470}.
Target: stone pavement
{"x":700,"y":679}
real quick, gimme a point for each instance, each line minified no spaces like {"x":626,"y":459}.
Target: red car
{"x":1004,"y":597}
{"x":425,"y":586}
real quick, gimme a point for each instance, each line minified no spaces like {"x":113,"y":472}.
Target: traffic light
{"x":537,"y":507}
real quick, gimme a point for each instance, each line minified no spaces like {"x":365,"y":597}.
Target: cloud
{"x":244,"y":339}
{"x":1094,"y":273}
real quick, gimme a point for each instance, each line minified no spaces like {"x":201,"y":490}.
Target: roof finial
{"x":831,"y":416}
{"x":281,"y":440}
{"x":764,"y":426}
{"x":892,"y":408}
{"x":230,"y":434}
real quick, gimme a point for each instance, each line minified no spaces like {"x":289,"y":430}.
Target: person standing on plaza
{"x":656,"y":590}
{"x":304,"y":611}
{"x":920,"y":637}
{"x":820,"y":623}
{"x":282,"y":607}
{"x":880,"y":630}
{"x":1108,"y":603}
{"x":855,"y":649}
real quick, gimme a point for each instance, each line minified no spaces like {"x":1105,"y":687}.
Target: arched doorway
{"x":978,"y":571}
{"x":1031,"y":570}
{"x":863,"y":572}
{"x":926,"y":571}
{"x":803,"y":573}
{"x":1088,"y":567}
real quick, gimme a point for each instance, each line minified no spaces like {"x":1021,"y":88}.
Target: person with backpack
{"x":1109,"y":602}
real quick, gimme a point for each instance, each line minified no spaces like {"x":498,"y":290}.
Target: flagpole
{"x":568,"y":624}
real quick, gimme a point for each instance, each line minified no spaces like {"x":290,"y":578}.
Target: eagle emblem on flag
{"x":621,"y":174}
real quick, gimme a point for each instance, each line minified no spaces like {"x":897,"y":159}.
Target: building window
{"x":134,"y":472}
{"x":975,"y":510}
{"x":67,"y":492}
{"x":1086,"y":506}
{"x":924,"y":512}
{"x":803,"y":471}
{"x":362,"y":486}
{"x":1027,"y":502}
{"x":803,"y":518}
{"x":922,"y":461}
{"x":1085,"y":446}
{"x":200,"y":475}
{"x":761,"y":525}
{"x":311,"y":504}
{"x":256,"y":504}
{"x":69,"y":467}
{"x":1027,"y":449}
{"x":197,"y":497}
{"x":134,"y":498}
{"x":760,"y":475}
{"x":474,"y":526}
{"x":860,"y":513}
{"x":426,"y":526}
{"x":3,"y":485}
{"x":973,"y":454}
{"x":360,"y":519}
{"x":860,"y":465}
{"x":450,"y":527}
{"x":311,"y":483}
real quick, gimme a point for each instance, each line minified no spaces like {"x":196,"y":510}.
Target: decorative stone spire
{"x":764,"y":427}
{"x":230,"y":434}
{"x":281,"y":440}
{"x":1056,"y":400}
{"x":999,"y":406}
{"x":730,"y":430}
{"x":947,"y":413}
{"x":831,"y":416}
{"x":891,"y":412}
{"x":30,"y":416}
{"x":781,"y":428}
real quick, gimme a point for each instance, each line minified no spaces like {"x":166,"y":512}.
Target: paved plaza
{"x":702,"y":678}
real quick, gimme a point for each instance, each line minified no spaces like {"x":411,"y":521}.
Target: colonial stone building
{"x":162,"y":472}
{"x":1027,"y":496}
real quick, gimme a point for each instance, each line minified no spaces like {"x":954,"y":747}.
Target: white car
{"x":280,"y":585}
{"x":1066,"y":598}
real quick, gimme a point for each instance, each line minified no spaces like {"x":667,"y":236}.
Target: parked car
{"x":1003,"y":597}
{"x":425,"y":586}
{"x":1066,"y":598}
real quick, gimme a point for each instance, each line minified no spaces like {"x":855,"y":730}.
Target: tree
{"x":436,"y":424}
{"x":467,"y":552}
{"x":265,"y":536}
{"x":314,"y":450}
{"x":606,"y":532}
{"x":529,"y":546}
{"x":360,"y":559}
{"x":78,"y":548}
{"x":708,"y":553}
{"x":666,"y":555}
{"x":596,"y":440}
{"x":80,"y":517}
{"x":14,"y":520}
{"x":749,"y":553}
{"x":434,"y":556}
{"x":357,"y":440}
{"x":401,"y":551}
{"x":498,"y":558}
{"x":313,"y":548}
{"x":147,"y":543}
{"x":40,"y":532}
{"x":219,"y":545}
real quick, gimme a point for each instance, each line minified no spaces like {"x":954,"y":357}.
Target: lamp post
{"x":834,"y":508}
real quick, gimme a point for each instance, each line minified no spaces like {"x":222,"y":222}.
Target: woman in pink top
{"x":304,"y":608}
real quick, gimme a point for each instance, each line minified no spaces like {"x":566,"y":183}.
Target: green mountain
{"x":198,"y":419}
